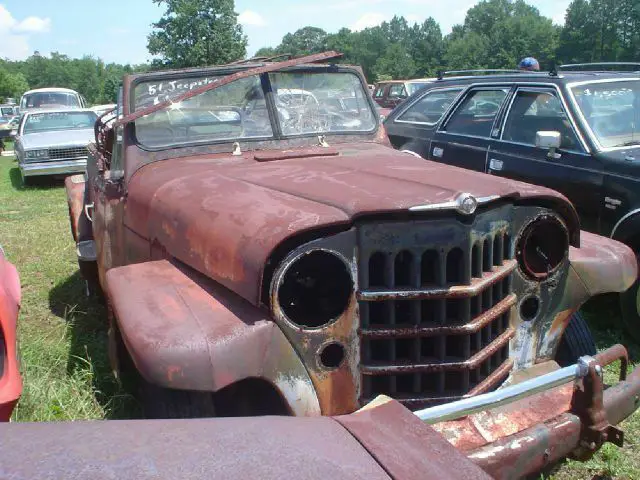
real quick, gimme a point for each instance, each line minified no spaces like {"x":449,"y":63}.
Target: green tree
{"x":304,"y":41}
{"x":395,"y":63}
{"x":265,"y":52}
{"x":196,"y":33}
{"x":12,"y":85}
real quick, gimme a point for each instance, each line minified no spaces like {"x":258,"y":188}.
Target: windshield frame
{"x":585,"y":123}
{"x":277,"y":135}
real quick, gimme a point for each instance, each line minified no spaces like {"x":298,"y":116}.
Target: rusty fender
{"x":184,"y":331}
{"x":74,"y":185}
{"x":600,"y":265}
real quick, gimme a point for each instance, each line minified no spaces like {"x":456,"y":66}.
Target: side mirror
{"x":551,"y":141}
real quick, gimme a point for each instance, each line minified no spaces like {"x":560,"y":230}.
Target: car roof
{"x":50,"y":89}
{"x":542,"y":77}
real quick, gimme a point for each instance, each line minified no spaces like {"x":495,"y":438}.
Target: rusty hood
{"x":224,"y":216}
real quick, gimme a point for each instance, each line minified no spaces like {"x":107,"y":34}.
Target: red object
{"x":10,"y":381}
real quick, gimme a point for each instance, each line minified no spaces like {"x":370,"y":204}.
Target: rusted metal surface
{"x":218,"y":206}
{"x":407,"y":449}
{"x":270,"y":156}
{"x":185,"y":332}
{"x":458,"y":291}
{"x":600,"y":265}
{"x":272,"y":67}
{"x":74,"y":186}
{"x":10,"y":297}
{"x":231,"y":448}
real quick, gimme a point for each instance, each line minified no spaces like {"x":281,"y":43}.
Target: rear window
{"x":430,"y":108}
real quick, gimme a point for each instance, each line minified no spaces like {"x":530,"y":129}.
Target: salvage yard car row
{"x":264,"y":251}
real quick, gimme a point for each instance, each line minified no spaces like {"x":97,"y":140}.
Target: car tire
{"x":164,"y":403}
{"x":630,"y":309}
{"x":576,"y":341}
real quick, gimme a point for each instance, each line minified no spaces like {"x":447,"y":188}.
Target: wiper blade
{"x":629,"y":144}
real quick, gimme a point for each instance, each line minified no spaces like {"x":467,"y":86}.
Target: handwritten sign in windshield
{"x":153,"y":93}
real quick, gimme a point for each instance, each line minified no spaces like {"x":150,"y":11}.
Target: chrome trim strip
{"x":629,"y":214}
{"x":455,"y":291}
{"x":479,"y":403}
{"x":451,"y":205}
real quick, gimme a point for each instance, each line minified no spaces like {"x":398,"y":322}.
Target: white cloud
{"x":368,"y":20}
{"x":14,"y":34}
{"x":33,"y":25}
{"x":249,"y":17}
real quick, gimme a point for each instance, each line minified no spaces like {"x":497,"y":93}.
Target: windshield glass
{"x":50,"y":100}
{"x":6,"y":111}
{"x":48,"y":121}
{"x":306,"y":103}
{"x":413,"y":87}
{"x":612,"y":110}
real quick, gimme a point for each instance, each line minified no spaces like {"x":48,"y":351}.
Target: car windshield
{"x":305,"y":102}
{"x":612,"y":110}
{"x":48,"y":121}
{"x":6,"y":111}
{"x":413,"y":87}
{"x":50,"y":100}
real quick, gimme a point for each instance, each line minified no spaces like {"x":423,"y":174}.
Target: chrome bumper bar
{"x":479,"y":403}
{"x":53,"y":167}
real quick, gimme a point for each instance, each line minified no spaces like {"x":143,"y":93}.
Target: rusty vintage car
{"x":267,"y":254}
{"x":10,"y":379}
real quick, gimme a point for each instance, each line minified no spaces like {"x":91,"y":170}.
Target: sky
{"x":116,"y":30}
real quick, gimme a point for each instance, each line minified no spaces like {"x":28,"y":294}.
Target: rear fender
{"x":183,"y":331}
{"x":600,"y":265}
{"x":80,"y":224}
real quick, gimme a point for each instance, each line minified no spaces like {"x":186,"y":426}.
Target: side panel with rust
{"x":10,"y":381}
{"x":185,"y":332}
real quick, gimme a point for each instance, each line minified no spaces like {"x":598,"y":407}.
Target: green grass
{"x":62,"y":334}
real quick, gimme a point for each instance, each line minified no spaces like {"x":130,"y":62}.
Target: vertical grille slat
{"x":395,"y":265}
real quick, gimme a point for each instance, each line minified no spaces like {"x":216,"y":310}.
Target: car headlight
{"x":542,"y":247}
{"x":315,"y":289}
{"x":34,"y":154}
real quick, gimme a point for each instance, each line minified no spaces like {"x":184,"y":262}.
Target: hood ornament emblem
{"x":464,"y":203}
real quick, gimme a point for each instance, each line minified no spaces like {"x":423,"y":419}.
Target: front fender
{"x":600,"y":265}
{"x":10,"y":380}
{"x":185,"y":332}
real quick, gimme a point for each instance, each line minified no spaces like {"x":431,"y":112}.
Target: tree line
{"x":495,"y":34}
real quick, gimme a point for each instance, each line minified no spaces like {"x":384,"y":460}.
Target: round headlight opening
{"x":542,"y":247}
{"x":315,"y":289}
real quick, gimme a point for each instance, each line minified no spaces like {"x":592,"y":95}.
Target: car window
{"x":533,"y":112}
{"x":379,"y":92}
{"x":430,"y":108}
{"x":397,"y":91}
{"x":476,"y":114}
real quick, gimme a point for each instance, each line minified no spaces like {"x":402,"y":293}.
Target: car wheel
{"x":159,"y":402}
{"x":576,"y":342}
{"x":630,"y":308}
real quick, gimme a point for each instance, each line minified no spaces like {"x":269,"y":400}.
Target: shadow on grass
{"x":604,"y":318}
{"x":87,"y":326}
{"x":34,"y":183}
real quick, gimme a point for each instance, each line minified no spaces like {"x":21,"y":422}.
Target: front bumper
{"x":54,"y":167}
{"x":522,"y":437}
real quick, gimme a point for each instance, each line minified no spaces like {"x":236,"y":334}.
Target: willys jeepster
{"x":264,"y":250}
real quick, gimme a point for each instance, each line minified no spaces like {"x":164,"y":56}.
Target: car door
{"x":413,"y":128}
{"x":463,"y":139}
{"x":570,"y":170}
